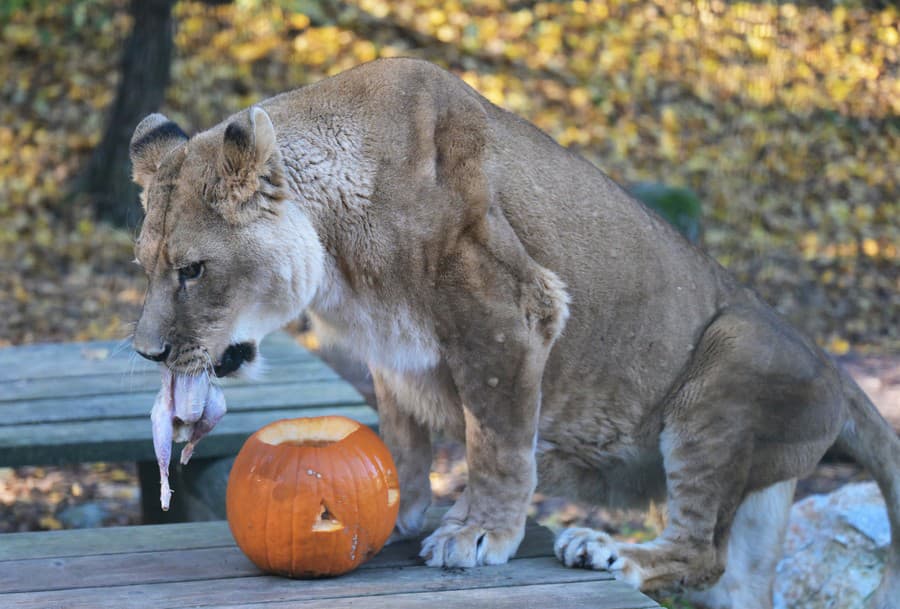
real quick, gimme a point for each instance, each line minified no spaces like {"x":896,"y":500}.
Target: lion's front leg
{"x":410,"y":444}
{"x":497,"y":324}
{"x":487,"y":523}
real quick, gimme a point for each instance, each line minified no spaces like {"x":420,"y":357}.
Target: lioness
{"x":503,"y":290}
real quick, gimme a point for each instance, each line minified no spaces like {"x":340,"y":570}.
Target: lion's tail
{"x":871,"y":441}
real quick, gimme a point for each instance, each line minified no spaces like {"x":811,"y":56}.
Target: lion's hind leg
{"x":707,"y":458}
{"x":704,"y":494}
{"x":754,"y":407}
{"x":754,"y":549}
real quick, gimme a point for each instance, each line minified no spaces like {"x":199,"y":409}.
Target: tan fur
{"x":504,"y":290}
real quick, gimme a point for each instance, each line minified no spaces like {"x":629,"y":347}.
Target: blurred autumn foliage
{"x":784,"y":118}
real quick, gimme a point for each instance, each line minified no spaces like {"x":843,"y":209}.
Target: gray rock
{"x":834,"y":551}
{"x":83,"y":516}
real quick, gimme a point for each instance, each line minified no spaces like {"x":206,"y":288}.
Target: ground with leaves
{"x":784,"y":118}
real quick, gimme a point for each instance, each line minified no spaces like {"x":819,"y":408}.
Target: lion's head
{"x":228,"y":254}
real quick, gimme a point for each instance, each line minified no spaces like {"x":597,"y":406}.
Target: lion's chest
{"x":391,"y":338}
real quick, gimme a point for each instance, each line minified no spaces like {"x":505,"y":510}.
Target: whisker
{"x":123,"y":344}
{"x":132,"y":366}
{"x":208,"y":368}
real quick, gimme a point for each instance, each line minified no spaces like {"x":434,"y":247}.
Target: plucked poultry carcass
{"x":187,"y":407}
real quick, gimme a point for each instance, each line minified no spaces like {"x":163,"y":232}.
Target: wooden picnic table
{"x":198,"y":565}
{"x":77,"y":402}
{"x":84,"y":402}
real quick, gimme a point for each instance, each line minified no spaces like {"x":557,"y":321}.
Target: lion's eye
{"x":190,"y":272}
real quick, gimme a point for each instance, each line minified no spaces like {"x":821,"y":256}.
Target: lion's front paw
{"x":468,"y":544}
{"x":589,"y":549}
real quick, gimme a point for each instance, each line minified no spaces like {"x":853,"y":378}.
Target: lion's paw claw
{"x":589,"y":549}
{"x":456,"y":544}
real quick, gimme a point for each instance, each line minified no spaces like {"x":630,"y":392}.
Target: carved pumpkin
{"x":312,"y":497}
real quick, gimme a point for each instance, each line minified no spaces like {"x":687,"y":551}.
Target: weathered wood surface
{"x":198,"y":565}
{"x":144,"y":381}
{"x":577,"y":595}
{"x":80,"y":402}
{"x":99,"y":357}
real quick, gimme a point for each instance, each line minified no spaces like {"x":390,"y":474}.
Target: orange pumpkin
{"x":312,"y":497}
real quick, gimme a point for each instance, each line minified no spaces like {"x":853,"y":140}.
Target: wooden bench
{"x":198,"y":565}
{"x":83,"y":402}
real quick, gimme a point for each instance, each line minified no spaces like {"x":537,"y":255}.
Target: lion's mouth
{"x":234,"y":357}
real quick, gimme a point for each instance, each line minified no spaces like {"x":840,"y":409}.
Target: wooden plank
{"x":148,"y":380}
{"x":187,"y":536}
{"x":130,"y":439}
{"x":602,"y":594}
{"x":262,"y":589}
{"x":135,"y":568}
{"x":97,"y":357}
{"x":114,"y":540}
{"x":146,"y":567}
{"x":240,"y":398}
{"x":197,"y":564}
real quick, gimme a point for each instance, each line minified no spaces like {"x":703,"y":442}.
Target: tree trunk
{"x":144,"y":75}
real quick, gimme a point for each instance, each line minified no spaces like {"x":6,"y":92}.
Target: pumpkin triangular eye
{"x":326,"y":521}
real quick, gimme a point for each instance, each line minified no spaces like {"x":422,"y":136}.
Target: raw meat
{"x":186,"y":409}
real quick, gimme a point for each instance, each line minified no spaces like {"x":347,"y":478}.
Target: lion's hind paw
{"x":583,"y":548}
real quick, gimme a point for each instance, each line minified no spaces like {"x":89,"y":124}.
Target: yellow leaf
{"x":870,"y":247}
{"x":298,"y":21}
{"x":579,"y":97}
{"x":49,"y":523}
{"x":364,"y":50}
{"x":889,"y":36}
{"x":22,"y":35}
{"x":21,"y":294}
{"x":668,"y":145}
{"x":252,"y":51}
{"x":447,"y":33}
{"x":119,"y":475}
{"x":839,"y":15}
{"x":436,"y":17}
{"x":600,"y":10}
{"x":838,"y":346}
{"x":669,"y":118}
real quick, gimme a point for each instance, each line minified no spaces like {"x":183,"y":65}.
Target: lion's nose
{"x":156,"y":356}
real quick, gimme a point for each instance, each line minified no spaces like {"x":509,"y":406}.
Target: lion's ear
{"x":250,"y":169}
{"x":248,"y":148}
{"x":154,"y":137}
